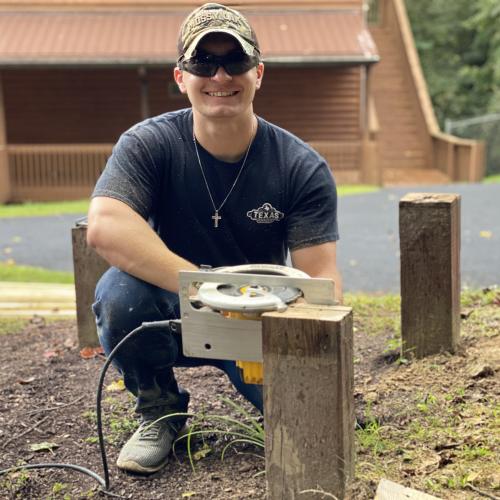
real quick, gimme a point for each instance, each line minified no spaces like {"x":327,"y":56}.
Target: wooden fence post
{"x":308,"y":400}
{"x":88,"y":268}
{"x":429,"y":232}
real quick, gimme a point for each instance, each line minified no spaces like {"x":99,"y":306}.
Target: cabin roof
{"x":149,"y":37}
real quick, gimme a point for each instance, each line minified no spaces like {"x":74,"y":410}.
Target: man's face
{"x":222,"y":95}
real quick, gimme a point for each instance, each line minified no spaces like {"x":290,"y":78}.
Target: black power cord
{"x":173,"y":325}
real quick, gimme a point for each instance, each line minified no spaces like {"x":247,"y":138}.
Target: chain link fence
{"x":485,"y":128}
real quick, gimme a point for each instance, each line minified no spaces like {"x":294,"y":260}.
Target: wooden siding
{"x":70,"y":106}
{"x":96,"y":106}
{"x":61,"y":123}
{"x":317,"y":104}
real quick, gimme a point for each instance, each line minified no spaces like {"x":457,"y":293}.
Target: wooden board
{"x":387,"y":490}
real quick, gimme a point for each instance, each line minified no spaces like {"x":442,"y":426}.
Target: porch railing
{"x":41,"y":172}
{"x":462,"y":160}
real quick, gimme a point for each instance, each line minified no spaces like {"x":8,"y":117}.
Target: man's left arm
{"x":319,"y":261}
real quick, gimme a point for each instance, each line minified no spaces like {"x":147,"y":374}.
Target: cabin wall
{"x":96,"y":106}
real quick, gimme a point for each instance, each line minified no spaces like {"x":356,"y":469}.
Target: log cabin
{"x":343,"y":75}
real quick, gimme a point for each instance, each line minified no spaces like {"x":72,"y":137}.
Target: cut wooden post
{"x":5,"y":185}
{"x":429,"y":232}
{"x":308,"y":400}
{"x":88,"y":267}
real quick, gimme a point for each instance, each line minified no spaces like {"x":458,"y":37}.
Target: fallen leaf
{"x":69,"y":343}
{"x":466,"y":312}
{"x":25,"y":381}
{"x":116,"y":386}
{"x":472,"y":476}
{"x":188,"y":494}
{"x":51,"y":353}
{"x":91,"y":352}
{"x":429,"y":463}
{"x":45,"y":446}
{"x":480,"y":370}
{"x":37,"y":320}
{"x":245,"y":467}
{"x":485,"y":234}
{"x":202,"y":452}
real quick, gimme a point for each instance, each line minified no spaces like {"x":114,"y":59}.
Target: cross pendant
{"x":216,"y":218}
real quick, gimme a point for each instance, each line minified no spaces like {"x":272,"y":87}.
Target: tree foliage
{"x":459,"y":46}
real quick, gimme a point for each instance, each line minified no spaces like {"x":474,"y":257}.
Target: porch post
{"x":143,"y":79}
{"x":370,"y":169}
{"x":5,"y":186}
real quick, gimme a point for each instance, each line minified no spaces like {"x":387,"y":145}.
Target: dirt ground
{"x":47,"y":401}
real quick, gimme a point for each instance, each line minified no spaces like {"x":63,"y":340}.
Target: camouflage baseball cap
{"x":215,"y":18}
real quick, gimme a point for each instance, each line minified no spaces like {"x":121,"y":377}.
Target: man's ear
{"x":178,"y":77}
{"x":260,"y":75}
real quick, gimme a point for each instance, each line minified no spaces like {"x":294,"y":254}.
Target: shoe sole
{"x":131,"y":466}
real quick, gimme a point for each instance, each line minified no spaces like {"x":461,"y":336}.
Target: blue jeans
{"x":123,"y":303}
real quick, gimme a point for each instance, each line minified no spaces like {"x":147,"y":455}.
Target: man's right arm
{"x":125,"y":240}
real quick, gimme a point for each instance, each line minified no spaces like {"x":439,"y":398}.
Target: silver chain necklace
{"x":216,"y":217}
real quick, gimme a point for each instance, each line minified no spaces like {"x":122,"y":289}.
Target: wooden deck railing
{"x":40,"y":172}
{"x":43,"y":172}
{"x":462,"y":160}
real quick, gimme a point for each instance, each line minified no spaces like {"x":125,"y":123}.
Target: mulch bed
{"x":47,"y":394}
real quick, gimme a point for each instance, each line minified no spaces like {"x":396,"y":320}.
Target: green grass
{"x":28,"y":274}
{"x":492,"y":179}
{"x":349,"y":189}
{"x":44,"y":209}
{"x":12,"y":325}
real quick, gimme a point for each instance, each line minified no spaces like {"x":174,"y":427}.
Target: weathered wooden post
{"x":308,"y":400}
{"x":88,"y":268}
{"x":429,"y":231}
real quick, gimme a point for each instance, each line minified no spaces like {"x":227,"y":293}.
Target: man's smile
{"x":222,"y":94}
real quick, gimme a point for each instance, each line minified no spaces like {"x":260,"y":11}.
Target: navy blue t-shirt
{"x":285,"y":197}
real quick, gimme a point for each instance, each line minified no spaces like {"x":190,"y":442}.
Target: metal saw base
{"x":207,"y":333}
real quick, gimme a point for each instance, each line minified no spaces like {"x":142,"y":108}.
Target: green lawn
{"x":28,"y":274}
{"x":41,"y":209}
{"x":492,"y":179}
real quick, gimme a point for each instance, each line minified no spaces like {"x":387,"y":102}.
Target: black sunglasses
{"x":234,"y":63}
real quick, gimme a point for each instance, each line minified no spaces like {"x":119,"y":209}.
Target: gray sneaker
{"x":148,"y":449}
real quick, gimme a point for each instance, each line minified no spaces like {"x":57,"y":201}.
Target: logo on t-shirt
{"x":265,"y":214}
